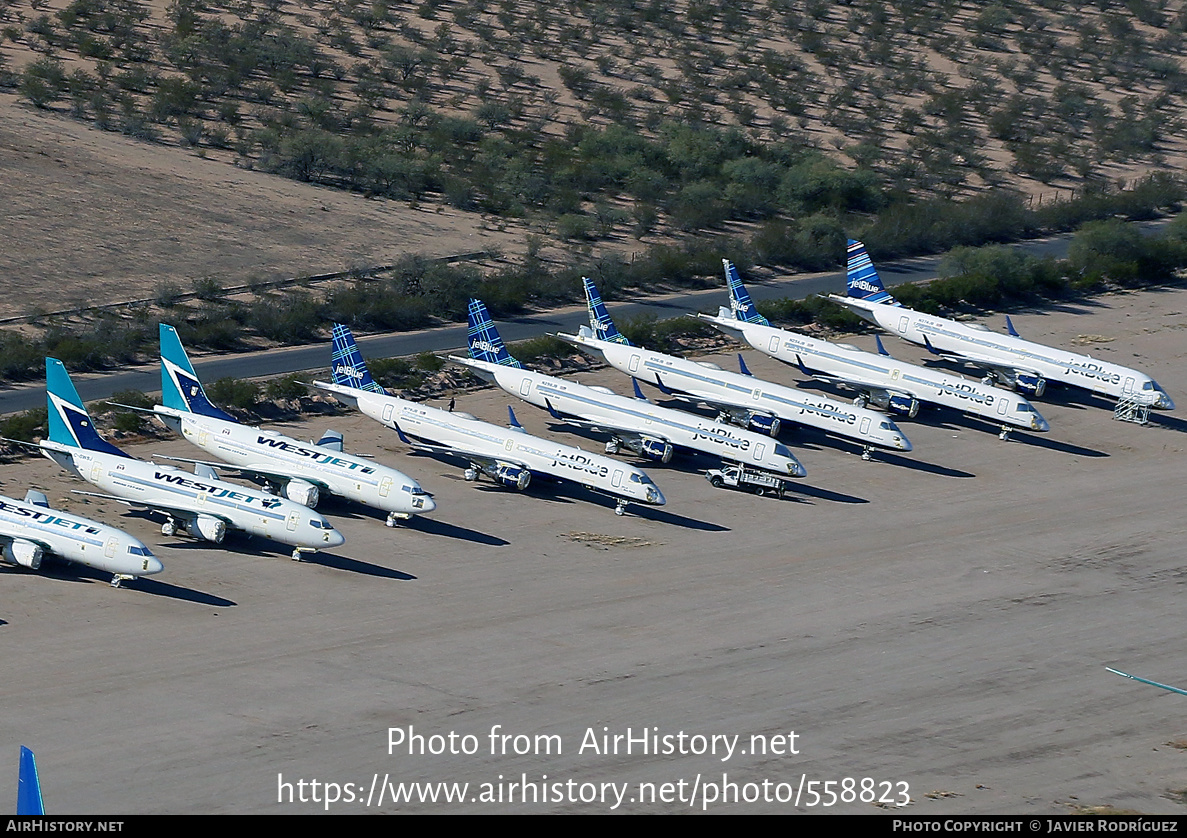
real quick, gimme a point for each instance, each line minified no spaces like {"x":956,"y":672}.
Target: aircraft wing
{"x":458,"y":453}
{"x":853,"y":382}
{"x":264,"y":472}
{"x":604,"y":427}
{"x":982,"y":361}
{"x":178,"y":511}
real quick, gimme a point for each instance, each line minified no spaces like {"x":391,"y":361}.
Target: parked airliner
{"x":509,"y":456}
{"x":1009,"y":359}
{"x":30,"y":531}
{"x":878,"y":379}
{"x":740,"y":398}
{"x":297,"y":470}
{"x":648,"y":430}
{"x":199,"y":505}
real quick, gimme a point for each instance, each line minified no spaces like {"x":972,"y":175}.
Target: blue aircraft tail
{"x":180,"y":387}
{"x":864,"y":283}
{"x":69,"y":422}
{"x":483,"y":338}
{"x":28,"y":794}
{"x":740,"y":303}
{"x":348,"y":366}
{"x":599,"y":319}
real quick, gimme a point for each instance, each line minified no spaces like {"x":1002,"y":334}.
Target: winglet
{"x":930,"y":348}
{"x":661,"y":386}
{"x":805,"y":369}
{"x":69,"y":423}
{"x":515,"y":426}
{"x":483,"y":338}
{"x":552,"y":410}
{"x":403,"y":437}
{"x":638,"y":393}
{"x":180,"y":388}
{"x":862,"y":279}
{"x":1010,"y":327}
{"x":599,"y":319}
{"x":740,"y":303}
{"x":881,"y":348}
{"x":28,"y":795}
{"x":348,"y":367}
{"x":745,"y":370}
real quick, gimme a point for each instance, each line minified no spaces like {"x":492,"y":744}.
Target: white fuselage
{"x":355,"y":478}
{"x":606,"y":408}
{"x":189,"y":497}
{"x":982,"y":346}
{"x":73,"y":538}
{"x":717,"y":386}
{"x":485,"y":440}
{"x":874,"y":370}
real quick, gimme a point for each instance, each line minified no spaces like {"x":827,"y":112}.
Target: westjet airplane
{"x":1008,"y":359}
{"x":295,"y":469}
{"x":636,"y":424}
{"x":740,"y":398}
{"x":878,"y":379}
{"x":30,"y":531}
{"x":199,"y":505}
{"x":509,"y":456}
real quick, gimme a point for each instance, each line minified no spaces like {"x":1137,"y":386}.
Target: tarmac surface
{"x":940,"y":619}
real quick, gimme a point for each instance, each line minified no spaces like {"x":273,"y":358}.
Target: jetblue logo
{"x":483,"y":346}
{"x":1095,"y":372}
{"x":724,"y":437}
{"x":581,"y":463}
{"x":349,"y":372}
{"x":864,"y":285}
{"x":965,"y":391}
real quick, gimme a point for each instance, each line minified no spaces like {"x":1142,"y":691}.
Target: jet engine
{"x":1031,"y":385}
{"x":208,"y":528}
{"x":905,"y":405}
{"x":513,"y":477}
{"x":25,"y":553}
{"x":656,"y":449}
{"x":302,"y":492}
{"x":764,"y":424}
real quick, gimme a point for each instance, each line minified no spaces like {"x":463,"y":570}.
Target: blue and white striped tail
{"x":483,"y":340}
{"x":347,"y":366}
{"x":740,"y":303}
{"x":863,"y":282}
{"x":599,"y":319}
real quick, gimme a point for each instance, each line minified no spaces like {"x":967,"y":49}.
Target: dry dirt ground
{"x":941,"y":619}
{"x":90,"y":217}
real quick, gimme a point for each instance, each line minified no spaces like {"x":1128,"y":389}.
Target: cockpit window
{"x":781,"y":450}
{"x":313,"y":522}
{"x":641,"y":478}
{"x":1024,"y":408}
{"x":886,"y":426}
{"x":139,"y":551}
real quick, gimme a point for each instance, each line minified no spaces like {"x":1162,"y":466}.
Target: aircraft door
{"x":385,"y":486}
{"x":292,"y":521}
{"x":758,"y":452}
{"x":616,"y":480}
{"x":865,"y":425}
{"x":902,"y":325}
{"x":525,"y":386}
{"x":202,"y":437}
{"x":1002,"y":404}
{"x":1128,"y":389}
{"x":387,"y":413}
{"x":774,"y":347}
{"x":634,"y":365}
{"x":109,"y":550}
{"x":96,"y":471}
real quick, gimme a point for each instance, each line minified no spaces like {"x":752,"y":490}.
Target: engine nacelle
{"x":209,"y":528}
{"x":25,"y":553}
{"x":513,"y":476}
{"x":1031,"y":385}
{"x":302,"y":492}
{"x":763,"y":424}
{"x":904,"y":405}
{"x":656,"y":449}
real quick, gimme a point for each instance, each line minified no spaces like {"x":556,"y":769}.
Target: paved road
{"x":290,"y":359}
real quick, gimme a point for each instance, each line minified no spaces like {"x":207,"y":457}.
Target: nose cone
{"x":1164,"y":402}
{"x":423,"y":503}
{"x":902,"y":443}
{"x":332,"y":538}
{"x":655,"y":497}
{"x":151,"y":565}
{"x":796,"y":469}
{"x":1038,"y":423}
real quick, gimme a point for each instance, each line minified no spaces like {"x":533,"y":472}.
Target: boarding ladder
{"x":1129,"y":409}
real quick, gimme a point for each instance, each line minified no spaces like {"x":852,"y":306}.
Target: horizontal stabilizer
{"x":332,"y":440}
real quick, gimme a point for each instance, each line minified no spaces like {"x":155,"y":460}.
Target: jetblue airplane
{"x":650,"y":431}
{"x":299,"y":471}
{"x":30,"y":531}
{"x":508,"y":456}
{"x":28,"y":788}
{"x":199,"y":505}
{"x":1009,"y":359}
{"x":878,"y":379}
{"x":741,"y":398}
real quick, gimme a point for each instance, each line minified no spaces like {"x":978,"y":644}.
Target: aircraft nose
{"x":427,"y":503}
{"x":796,"y":469}
{"x":1164,"y":402}
{"x":655,"y":496}
{"x":152,"y":565}
{"x":904,"y":444}
{"x":333,"y":538}
{"x":1038,"y":423}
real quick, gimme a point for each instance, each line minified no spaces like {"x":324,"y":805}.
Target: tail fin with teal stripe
{"x":348,"y":367}
{"x":599,"y":319}
{"x":483,"y":338}
{"x":69,"y":422}
{"x":740,"y":303}
{"x":180,"y":387}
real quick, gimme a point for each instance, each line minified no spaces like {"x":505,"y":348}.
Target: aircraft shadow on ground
{"x":951,"y":420}
{"x":143,"y":584}
{"x":1043,"y":441}
{"x":910,"y":462}
{"x":355,"y":566}
{"x":799,"y":488}
{"x":435,"y":526}
{"x":1171,"y":423}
